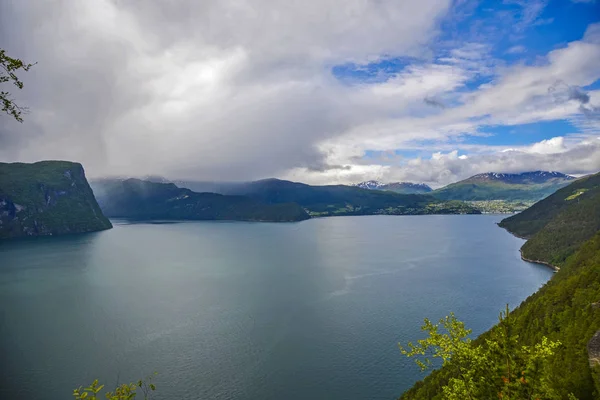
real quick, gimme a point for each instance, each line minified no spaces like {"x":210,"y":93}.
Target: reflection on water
{"x":248,"y":310}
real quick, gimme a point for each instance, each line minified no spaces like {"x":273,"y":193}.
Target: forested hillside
{"x":564,"y":310}
{"x":47,"y":198}
{"x":347,"y":200}
{"x":559,"y":224}
{"x":564,"y":231}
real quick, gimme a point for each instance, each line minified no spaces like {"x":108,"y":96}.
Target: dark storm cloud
{"x":562,"y":92}
{"x":328,"y":167}
{"x":577,"y":94}
{"x":433,"y":102}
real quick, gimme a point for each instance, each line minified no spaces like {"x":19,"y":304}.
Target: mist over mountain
{"x":145,"y":200}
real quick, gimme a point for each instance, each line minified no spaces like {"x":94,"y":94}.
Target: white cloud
{"x":516,"y":50}
{"x":444,"y":168}
{"x":216,"y":89}
{"x":550,"y":146}
{"x":244,"y":90}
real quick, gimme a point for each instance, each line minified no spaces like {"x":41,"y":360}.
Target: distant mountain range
{"x":336,"y":199}
{"x":53,"y":197}
{"x":523,"y":187}
{"x":524,"y":178}
{"x":398,"y":187}
{"x":488,"y":192}
{"x":145,"y":200}
{"x":47,"y":198}
{"x":527,"y":186}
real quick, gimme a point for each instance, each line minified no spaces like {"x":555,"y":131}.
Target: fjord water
{"x":232,"y":310}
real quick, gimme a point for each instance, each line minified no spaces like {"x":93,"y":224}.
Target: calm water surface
{"x":231,"y":310}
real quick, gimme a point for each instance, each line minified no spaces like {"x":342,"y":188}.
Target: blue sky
{"x":319,"y":91}
{"x":514,"y":34}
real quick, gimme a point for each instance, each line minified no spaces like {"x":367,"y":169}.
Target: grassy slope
{"x":494,"y":190}
{"x":139,"y":199}
{"x":47,"y":198}
{"x":560,"y":223}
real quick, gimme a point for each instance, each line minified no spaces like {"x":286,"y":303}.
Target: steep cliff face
{"x":47,"y":198}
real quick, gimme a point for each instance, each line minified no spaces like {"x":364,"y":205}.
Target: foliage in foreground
{"x":122,"y":392}
{"x":564,"y":310}
{"x":498,"y":368}
{"x":8,"y":75}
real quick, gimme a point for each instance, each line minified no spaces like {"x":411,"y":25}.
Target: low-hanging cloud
{"x":433,"y":102}
{"x":446,"y":167}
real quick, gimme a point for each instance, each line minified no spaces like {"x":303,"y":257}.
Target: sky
{"x":316,"y":91}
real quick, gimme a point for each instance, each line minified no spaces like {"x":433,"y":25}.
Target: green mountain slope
{"x":137,"y":199}
{"x":559,"y":224}
{"x":528,"y":186}
{"x":47,"y":198}
{"x":346,"y":200}
{"x":566,"y":231}
{"x":564,"y":309}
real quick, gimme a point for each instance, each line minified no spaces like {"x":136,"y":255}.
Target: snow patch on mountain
{"x":404,"y":187}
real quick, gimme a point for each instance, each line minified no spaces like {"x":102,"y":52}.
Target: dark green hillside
{"x":560,"y":223}
{"x":528,"y":186}
{"x":562,"y":310}
{"x":530,"y":221}
{"x":47,"y":198}
{"x":566,"y":232}
{"x":347,"y":200}
{"x":137,"y":199}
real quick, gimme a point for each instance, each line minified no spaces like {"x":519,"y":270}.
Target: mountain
{"x":527,"y":186}
{"x":47,"y":198}
{"x":138,"y":199}
{"x":557,"y":225}
{"x":565,"y":309}
{"x":564,"y":230}
{"x":210,"y":186}
{"x":398,"y":187}
{"x":345,"y":200}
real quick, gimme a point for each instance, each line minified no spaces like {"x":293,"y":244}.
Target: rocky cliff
{"x":47,"y":198}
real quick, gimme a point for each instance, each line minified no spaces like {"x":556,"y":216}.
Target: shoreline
{"x":547,"y":264}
